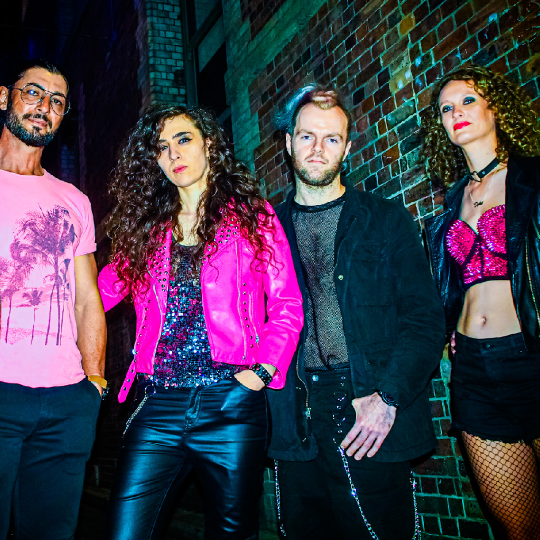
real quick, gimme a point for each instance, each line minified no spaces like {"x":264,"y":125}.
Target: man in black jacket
{"x":355,"y":407}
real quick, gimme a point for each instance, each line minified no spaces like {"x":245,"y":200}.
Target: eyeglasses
{"x":32,"y":94}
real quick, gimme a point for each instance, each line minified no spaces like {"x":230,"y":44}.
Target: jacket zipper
{"x":308,"y":408}
{"x":529,"y":277}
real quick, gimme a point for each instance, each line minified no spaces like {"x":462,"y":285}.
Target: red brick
{"x":355,"y":53}
{"x":362,"y":124}
{"x":404,"y":94}
{"x":391,"y":155}
{"x":449,"y":7}
{"x":368,"y":153}
{"x":451,"y":61}
{"x":488,"y":34}
{"x":429,"y":42}
{"x":374,"y":116}
{"x":469,"y":48}
{"x":392,"y":37}
{"x":387,"y":7}
{"x":464,"y":14}
{"x":421,"y":12}
{"x":409,"y":5}
{"x":500,"y":66}
{"x":436,"y":405}
{"x":365,"y":60}
{"x":481,"y":17}
{"x":395,"y":51}
{"x":445,"y":28}
{"x":378,"y":48}
{"x":425,"y":26}
{"x":382,"y":94}
{"x":509,"y":19}
{"x":419,"y":83}
{"x":433,"y":74}
{"x":445,"y":447}
{"x":368,"y":104}
{"x":453,"y":41}
{"x":388,"y":106}
{"x":413,"y":210}
{"x":517,"y":56}
{"x":381,"y":145}
{"x":421,"y":190}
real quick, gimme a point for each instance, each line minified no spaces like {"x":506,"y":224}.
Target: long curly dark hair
{"x":148,"y":204}
{"x":516,"y":123}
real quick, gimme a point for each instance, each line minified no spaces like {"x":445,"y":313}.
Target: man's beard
{"x":325,"y":179}
{"x":31,"y":138}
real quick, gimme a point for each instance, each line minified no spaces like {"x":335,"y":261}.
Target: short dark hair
{"x":324,"y":97}
{"x":19,"y":71}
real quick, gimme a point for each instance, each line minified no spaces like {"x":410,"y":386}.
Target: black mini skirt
{"x":495,"y":389}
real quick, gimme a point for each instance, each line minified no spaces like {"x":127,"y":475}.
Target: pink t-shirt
{"x":44,"y":224}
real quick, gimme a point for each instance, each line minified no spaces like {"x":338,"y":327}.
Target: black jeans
{"x":316,"y":500}
{"x":220,"y":431}
{"x":46,"y":436}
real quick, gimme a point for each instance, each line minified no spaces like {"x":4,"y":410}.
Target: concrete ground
{"x":184,"y":525}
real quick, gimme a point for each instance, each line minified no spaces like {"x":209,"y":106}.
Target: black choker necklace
{"x":477,"y":176}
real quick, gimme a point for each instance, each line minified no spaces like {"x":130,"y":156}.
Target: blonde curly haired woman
{"x":483,"y":139}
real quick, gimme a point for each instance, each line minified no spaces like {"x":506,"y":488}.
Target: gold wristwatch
{"x":99,"y":381}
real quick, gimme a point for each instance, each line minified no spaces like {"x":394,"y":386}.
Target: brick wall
{"x":165,"y":54}
{"x":121,"y":57}
{"x":384,"y":55}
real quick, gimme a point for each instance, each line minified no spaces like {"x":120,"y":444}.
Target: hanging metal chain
{"x":416,"y":535}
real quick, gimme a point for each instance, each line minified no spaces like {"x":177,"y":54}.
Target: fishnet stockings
{"x":507,"y":475}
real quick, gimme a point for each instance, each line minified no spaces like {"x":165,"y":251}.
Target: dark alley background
{"x":242,"y":58}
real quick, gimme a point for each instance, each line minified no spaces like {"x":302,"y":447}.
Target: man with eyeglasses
{"x":355,"y":407}
{"x":52,"y":340}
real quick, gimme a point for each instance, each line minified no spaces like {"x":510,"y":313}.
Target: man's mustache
{"x":316,"y":155}
{"x":38,"y":116}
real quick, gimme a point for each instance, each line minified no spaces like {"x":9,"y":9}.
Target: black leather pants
{"x":221,"y":432}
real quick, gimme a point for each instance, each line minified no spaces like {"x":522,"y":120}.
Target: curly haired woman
{"x":482,"y":136}
{"x":198,"y":249}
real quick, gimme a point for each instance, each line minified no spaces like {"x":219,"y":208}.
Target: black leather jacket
{"x":392,"y":320}
{"x":522,"y":245}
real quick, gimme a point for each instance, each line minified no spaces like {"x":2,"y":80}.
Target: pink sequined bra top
{"x":480,"y":256}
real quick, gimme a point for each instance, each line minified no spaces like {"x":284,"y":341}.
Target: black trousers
{"x":315,"y":496}
{"x":46,"y":436}
{"x":221,"y":432}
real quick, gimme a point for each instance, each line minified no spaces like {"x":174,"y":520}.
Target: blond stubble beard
{"x":323,"y":180}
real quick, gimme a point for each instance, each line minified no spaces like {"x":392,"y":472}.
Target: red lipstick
{"x":180,"y":169}
{"x":460,"y":125}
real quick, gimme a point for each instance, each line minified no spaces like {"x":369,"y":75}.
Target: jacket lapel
{"x":519,"y":205}
{"x":159,"y":268}
{"x":229,"y":231}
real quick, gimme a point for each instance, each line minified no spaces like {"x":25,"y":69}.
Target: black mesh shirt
{"x":315,"y":228}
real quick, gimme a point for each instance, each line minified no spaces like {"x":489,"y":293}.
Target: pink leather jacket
{"x":233,"y":297}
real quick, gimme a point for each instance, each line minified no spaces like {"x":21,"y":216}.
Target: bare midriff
{"x":488,"y":311}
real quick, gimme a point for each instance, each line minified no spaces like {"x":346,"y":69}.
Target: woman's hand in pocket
{"x":250,"y":380}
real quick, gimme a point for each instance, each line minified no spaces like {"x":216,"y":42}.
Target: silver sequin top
{"x":183,"y":357}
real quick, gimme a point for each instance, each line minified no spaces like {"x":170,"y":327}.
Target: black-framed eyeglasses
{"x":32,"y":94}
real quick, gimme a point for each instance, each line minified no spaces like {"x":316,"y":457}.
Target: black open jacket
{"x":393,"y":323}
{"x":522,"y":247}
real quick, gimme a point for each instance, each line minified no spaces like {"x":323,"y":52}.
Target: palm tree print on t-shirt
{"x":43,"y":241}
